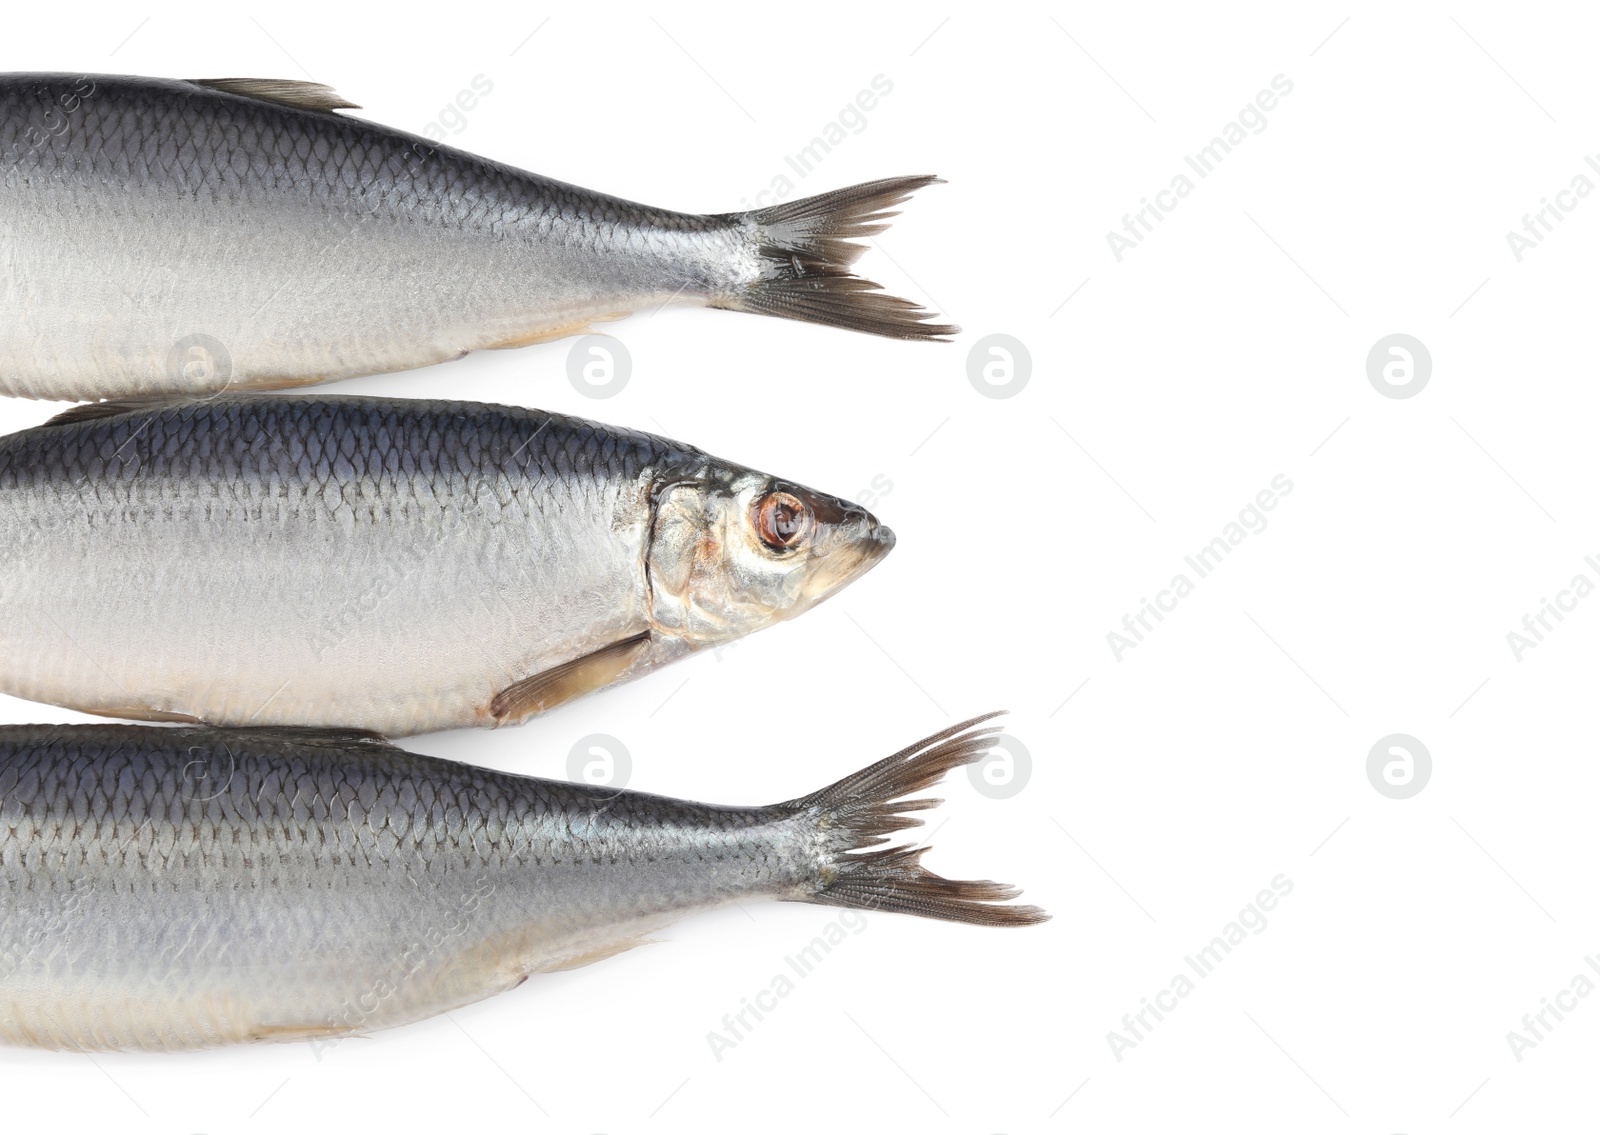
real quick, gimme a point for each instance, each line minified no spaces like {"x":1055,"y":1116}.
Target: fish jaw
{"x":859,"y":543}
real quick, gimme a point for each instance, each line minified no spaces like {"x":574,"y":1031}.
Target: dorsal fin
{"x":111,"y":407}
{"x":283,"y":92}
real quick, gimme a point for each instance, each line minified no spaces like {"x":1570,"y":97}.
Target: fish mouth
{"x":877,"y":543}
{"x":850,"y":543}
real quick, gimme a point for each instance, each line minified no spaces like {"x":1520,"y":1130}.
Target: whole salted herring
{"x":181,"y":888}
{"x":162,"y":235}
{"x":386,"y":564}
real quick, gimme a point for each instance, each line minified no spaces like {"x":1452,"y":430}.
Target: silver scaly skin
{"x":166,"y":236}
{"x":394,"y":565}
{"x":172,"y":889}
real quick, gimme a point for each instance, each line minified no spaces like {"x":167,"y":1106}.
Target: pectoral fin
{"x":550,"y":688}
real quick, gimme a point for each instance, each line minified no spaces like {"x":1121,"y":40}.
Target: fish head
{"x":733,"y":550}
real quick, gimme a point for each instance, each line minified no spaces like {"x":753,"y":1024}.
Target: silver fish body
{"x":162,"y":236}
{"x":181,"y":888}
{"x":394,"y":565}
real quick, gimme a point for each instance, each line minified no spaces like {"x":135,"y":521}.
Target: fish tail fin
{"x":858,"y":813}
{"x":804,"y":250}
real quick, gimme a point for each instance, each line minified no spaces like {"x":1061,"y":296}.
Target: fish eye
{"x":781,"y":520}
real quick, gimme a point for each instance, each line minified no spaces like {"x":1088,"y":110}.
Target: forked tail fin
{"x":804,"y":250}
{"x":860,"y":812}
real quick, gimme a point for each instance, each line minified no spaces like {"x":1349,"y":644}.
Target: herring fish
{"x":168,"y":236}
{"x":395,"y":565}
{"x":171,"y":889}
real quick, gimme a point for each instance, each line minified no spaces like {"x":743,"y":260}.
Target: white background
{"x":1167,"y":788}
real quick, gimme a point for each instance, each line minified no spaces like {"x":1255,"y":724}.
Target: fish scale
{"x":134,"y":146}
{"x":169,"y":236}
{"x":388,"y":564}
{"x":330,"y":883}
